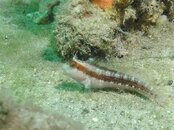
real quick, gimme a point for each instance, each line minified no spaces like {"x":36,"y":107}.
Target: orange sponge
{"x":104,"y":4}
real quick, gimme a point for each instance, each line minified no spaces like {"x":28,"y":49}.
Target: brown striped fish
{"x":93,"y":76}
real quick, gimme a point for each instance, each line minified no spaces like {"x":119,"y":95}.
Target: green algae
{"x":68,"y":86}
{"x":50,"y":53}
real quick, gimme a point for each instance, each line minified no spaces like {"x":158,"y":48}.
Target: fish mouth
{"x":66,"y":68}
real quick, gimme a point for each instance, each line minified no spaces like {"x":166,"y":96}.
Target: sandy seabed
{"x":30,"y":78}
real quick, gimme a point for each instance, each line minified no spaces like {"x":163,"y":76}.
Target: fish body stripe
{"x":106,"y":75}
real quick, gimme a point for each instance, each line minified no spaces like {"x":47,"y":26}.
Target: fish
{"x":97,"y":77}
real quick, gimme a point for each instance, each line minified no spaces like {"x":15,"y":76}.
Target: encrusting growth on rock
{"x":104,"y":4}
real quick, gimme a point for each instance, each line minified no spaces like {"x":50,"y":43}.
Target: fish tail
{"x":161,"y":99}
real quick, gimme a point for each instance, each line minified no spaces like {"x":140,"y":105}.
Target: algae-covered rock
{"x":169,"y":9}
{"x":140,"y":15}
{"x":85,"y":30}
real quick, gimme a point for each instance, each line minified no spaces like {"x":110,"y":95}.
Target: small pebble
{"x":168,"y":111}
{"x":6,"y":37}
{"x":170,"y":82}
{"x":95,"y":119}
{"x":135,"y":128}
{"x":122,"y":113}
{"x":145,"y":47}
{"x":85,"y":111}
